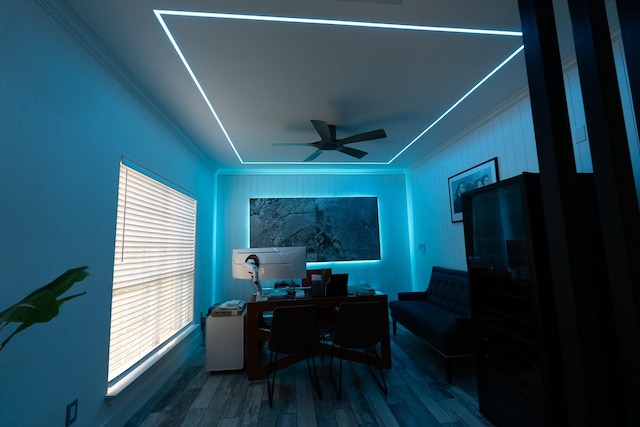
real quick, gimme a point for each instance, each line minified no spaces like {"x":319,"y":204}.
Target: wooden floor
{"x":418,"y":395}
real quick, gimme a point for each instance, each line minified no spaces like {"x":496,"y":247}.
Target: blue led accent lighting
{"x":328,"y":264}
{"x":459,"y":101}
{"x":232,"y":16}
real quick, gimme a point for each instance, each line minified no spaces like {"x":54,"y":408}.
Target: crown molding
{"x":80,"y":31}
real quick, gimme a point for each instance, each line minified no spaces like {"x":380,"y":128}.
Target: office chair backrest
{"x":294,"y":329}
{"x":337,"y":285}
{"x":358,"y":324}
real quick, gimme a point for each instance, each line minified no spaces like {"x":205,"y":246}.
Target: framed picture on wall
{"x":331,"y":228}
{"x":478,"y":176}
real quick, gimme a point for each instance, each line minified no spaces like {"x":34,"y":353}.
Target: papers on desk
{"x":361,"y":290}
{"x":277,"y":293}
{"x":282,"y":293}
{"x":228,"y":308}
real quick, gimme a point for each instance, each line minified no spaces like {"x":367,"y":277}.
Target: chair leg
{"x":314,"y":378}
{"x":340,"y":379}
{"x":271,"y":384}
{"x":448,"y":365}
{"x":337,"y":389}
{"x":383,"y":384}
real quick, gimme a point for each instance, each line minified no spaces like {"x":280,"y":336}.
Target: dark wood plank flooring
{"x":418,"y":395}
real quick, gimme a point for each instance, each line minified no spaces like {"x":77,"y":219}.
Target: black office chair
{"x":359,"y":327}
{"x":294,"y":329}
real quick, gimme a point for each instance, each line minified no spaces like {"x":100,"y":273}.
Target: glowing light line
{"x":459,"y":101}
{"x":231,"y":16}
{"x":337,"y":22}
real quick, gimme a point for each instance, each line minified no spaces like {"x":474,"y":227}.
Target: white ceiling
{"x":266,"y":80}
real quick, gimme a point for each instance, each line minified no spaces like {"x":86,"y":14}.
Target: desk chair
{"x":327,"y":316}
{"x":294,"y":329}
{"x":358,"y":326}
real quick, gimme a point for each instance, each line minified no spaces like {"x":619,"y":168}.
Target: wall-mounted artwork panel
{"x":332,"y":228}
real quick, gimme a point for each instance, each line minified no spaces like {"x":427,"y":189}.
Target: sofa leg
{"x":394,"y":327}
{"x":448,"y":364}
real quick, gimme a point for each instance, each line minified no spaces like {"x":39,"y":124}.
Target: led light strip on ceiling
{"x":160,"y":14}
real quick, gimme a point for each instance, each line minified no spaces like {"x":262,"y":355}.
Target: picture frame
{"x":333,"y":229}
{"x":482,"y":174}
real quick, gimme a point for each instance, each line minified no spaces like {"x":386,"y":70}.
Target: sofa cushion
{"x":445,"y":330}
{"x":449,"y":289}
{"x":415,"y":296}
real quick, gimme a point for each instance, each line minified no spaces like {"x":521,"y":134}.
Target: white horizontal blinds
{"x":153,"y":277}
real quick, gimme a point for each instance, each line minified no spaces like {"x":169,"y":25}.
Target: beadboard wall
{"x":415,"y":220}
{"x":232,"y":224}
{"x":508,"y":135}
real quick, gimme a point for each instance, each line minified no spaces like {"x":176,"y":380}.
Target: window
{"x":153,"y":274}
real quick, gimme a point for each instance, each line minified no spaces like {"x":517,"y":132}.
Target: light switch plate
{"x":581,"y":133}
{"x":72,"y":412}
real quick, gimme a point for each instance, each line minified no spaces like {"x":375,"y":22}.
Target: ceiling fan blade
{"x":327,"y":132}
{"x":365,"y":136}
{"x":288,"y":144}
{"x":358,"y":154}
{"x":328,"y":141}
{"x":313,"y":156}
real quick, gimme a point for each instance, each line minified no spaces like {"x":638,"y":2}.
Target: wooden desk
{"x":254,"y":336}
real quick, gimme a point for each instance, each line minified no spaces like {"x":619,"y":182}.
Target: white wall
{"x":577,"y":115}
{"x":64,"y":124}
{"x":389,"y":275}
{"x":629,"y":116}
{"x":508,"y":135}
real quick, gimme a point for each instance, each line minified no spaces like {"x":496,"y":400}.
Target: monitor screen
{"x":272,"y":263}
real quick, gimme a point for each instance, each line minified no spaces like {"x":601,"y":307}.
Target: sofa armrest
{"x":413,"y":296}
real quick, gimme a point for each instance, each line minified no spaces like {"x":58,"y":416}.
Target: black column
{"x":629,"y":17}
{"x":586,"y":387}
{"x":616,"y":192}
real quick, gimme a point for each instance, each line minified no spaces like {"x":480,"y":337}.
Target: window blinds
{"x":153,"y":277}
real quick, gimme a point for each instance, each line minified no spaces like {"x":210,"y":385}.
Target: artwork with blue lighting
{"x":331,"y":228}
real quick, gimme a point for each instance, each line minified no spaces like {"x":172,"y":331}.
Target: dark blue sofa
{"x":440,"y":315}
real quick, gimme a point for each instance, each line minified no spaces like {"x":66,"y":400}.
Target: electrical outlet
{"x":72,"y":412}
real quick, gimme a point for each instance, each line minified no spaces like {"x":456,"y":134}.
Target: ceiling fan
{"x":328,"y":140}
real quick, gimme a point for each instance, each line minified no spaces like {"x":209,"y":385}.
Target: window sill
{"x":117,"y":388}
